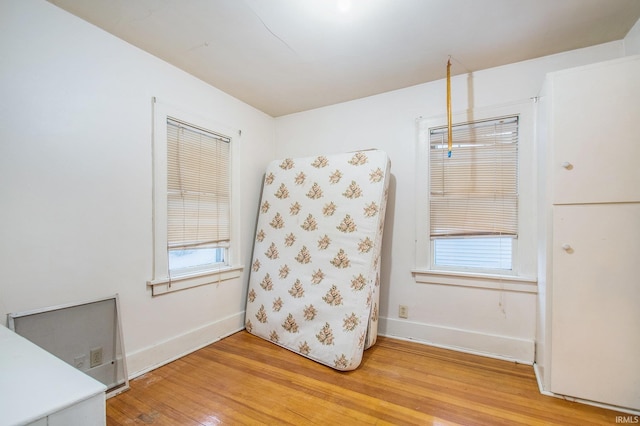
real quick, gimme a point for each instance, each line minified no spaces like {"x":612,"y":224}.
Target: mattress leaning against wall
{"x":314,"y":283}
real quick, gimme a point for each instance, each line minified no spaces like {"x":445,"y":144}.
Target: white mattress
{"x":314,"y":283}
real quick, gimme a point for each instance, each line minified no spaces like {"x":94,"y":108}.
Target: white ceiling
{"x":286,"y":56}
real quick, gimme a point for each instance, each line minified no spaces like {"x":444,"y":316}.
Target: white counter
{"x":36,"y":388}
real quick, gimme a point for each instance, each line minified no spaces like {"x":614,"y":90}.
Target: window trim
{"x":161,"y":281}
{"x":524,"y":261}
{"x":182,"y":282}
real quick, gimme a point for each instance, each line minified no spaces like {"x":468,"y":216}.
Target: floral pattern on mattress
{"x":314,"y":283}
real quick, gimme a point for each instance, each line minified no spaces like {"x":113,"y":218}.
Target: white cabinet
{"x":594,"y":126}
{"x":595,"y":338}
{"x":39,"y":389}
{"x":589,"y":248}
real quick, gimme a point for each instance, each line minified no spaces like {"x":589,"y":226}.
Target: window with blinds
{"x":473,"y":200}
{"x":198,"y":197}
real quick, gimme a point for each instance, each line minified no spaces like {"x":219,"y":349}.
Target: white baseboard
{"x":489,"y":345}
{"x":149,"y":358}
{"x":634,"y":419}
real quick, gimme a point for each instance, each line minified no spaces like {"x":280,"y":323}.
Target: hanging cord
{"x":449,"y":114}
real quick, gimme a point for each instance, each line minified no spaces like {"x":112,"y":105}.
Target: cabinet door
{"x":595,"y":332}
{"x":595,"y":129}
{"x":90,"y":412}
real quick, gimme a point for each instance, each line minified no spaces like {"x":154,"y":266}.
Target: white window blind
{"x":473,"y":202}
{"x":198,"y":187}
{"x":475,"y":191}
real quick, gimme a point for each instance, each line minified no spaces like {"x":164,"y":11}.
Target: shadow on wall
{"x":387,"y":238}
{"x":470,"y":97}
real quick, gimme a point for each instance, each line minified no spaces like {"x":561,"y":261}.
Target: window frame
{"x":162,"y":281}
{"x":524,"y":261}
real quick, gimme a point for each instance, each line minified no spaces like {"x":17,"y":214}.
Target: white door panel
{"x":596,"y":133}
{"x":596,"y":303}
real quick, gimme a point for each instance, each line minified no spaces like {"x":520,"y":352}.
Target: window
{"x":473,"y":195}
{"x":476,"y":212}
{"x":194,"y":234}
{"x":198,"y":198}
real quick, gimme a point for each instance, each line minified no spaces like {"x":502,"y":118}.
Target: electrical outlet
{"x":79,"y":361}
{"x":95,"y":357}
{"x":403,"y":311}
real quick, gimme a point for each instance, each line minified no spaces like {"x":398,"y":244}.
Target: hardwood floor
{"x":245,"y":380}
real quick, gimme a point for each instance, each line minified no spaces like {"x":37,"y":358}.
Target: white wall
{"x":632,"y":40}
{"x":75,"y":184}
{"x":493,"y":322}
{"x":76,"y":178}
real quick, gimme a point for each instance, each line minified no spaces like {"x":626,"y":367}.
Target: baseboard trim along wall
{"x":152,"y":357}
{"x":538,"y":372}
{"x":489,"y":345}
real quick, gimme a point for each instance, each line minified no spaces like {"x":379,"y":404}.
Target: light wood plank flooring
{"x":245,"y":380}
